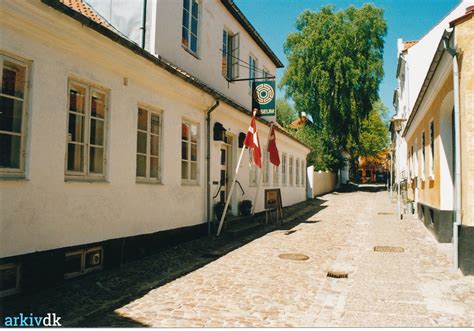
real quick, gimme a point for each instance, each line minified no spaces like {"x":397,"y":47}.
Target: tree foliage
{"x":285,"y":113}
{"x":334,"y":71}
{"x":374,"y":132}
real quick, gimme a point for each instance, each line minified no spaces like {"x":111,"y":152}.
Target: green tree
{"x":285,"y":113}
{"x":334,"y":70}
{"x":374,"y":135}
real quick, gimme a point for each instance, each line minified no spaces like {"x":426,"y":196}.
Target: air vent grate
{"x":389,"y":249}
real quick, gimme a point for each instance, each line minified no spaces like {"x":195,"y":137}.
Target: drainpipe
{"x":208,"y":164}
{"x":144,"y":23}
{"x":457,"y":152}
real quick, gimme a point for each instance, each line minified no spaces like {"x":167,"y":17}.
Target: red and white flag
{"x":272,"y":148}
{"x":253,"y":143}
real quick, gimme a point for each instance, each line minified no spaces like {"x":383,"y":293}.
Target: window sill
{"x":19,"y":178}
{"x":189,"y":184}
{"x":190,"y":52}
{"x":85,"y":180}
{"x":148,"y":182}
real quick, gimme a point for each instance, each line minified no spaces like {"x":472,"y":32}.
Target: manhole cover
{"x":337,"y":274}
{"x":385,"y":213}
{"x":294,"y":257}
{"x":389,"y":249}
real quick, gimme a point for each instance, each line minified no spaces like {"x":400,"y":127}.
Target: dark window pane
{"x":194,"y":26}
{"x":184,"y":132}
{"x":193,"y":171}
{"x":154,"y":167}
{"x":10,"y":114}
{"x":194,"y":43}
{"x":154,"y":145}
{"x":8,"y":278}
{"x":184,"y":150}
{"x":141,"y":166}
{"x":155,"y":124}
{"x":141,"y":142}
{"x":96,"y":160}
{"x":142,"y":119}
{"x":77,"y":97}
{"x":195,"y":9}
{"x":73,"y":263}
{"x":10,"y":147}
{"x":13,"y":79}
{"x":186,"y":4}
{"x":97,"y":132}
{"x":185,"y":19}
{"x":184,"y":37}
{"x":184,"y":170}
{"x":75,"y":157}
{"x":98,"y":105}
{"x":193,"y":152}
{"x":76,"y":128}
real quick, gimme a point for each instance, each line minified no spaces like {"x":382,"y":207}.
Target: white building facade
{"x":105,"y":144}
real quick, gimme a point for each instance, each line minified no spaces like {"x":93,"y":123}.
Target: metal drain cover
{"x":385,"y":213}
{"x":389,"y":249}
{"x":294,"y":256}
{"x":337,"y":274}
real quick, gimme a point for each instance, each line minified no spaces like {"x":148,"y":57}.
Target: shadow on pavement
{"x":92,"y":299}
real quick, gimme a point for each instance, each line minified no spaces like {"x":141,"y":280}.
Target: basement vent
{"x":337,"y":274}
{"x":82,"y":261}
{"x":293,"y":257}
{"x":389,"y":249}
{"x":9,"y":279}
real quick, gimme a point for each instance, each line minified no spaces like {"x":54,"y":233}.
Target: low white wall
{"x":323,"y":182}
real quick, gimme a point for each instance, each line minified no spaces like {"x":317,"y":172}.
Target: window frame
{"x":189,"y":27}
{"x":290,"y":171}
{"x":252,"y":69}
{"x":431,"y":164}
{"x":188,"y":181}
{"x":231,"y":58}
{"x":265,"y":167}
{"x":303,"y":173}
{"x":86,"y":174}
{"x":19,"y":172}
{"x":297,"y":172}
{"x":423,"y":155}
{"x":148,"y":179}
{"x":284,"y":162}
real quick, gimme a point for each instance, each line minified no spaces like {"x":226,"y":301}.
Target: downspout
{"x":208,"y":164}
{"x":457,"y":151}
{"x":144,"y":23}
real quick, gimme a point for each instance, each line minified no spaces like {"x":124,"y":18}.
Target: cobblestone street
{"x":250,"y":285}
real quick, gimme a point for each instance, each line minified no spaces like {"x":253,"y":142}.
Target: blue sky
{"x":407,"y":19}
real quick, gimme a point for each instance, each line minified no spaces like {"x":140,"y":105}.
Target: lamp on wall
{"x":241,"y":139}
{"x":219,"y":132}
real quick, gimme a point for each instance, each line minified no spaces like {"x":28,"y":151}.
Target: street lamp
{"x":397,"y":125}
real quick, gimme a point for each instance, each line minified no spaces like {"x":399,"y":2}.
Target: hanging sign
{"x":263,"y":99}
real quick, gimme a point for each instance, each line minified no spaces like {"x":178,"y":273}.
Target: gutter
{"x":208,"y":164}
{"x":457,"y":152}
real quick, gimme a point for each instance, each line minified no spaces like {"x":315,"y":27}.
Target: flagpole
{"x":259,"y":179}
{"x":230,"y":192}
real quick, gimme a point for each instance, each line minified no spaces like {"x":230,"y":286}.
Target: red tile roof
{"x":83,"y":8}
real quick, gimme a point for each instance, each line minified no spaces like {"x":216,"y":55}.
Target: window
{"x":411,"y":162}
{"x":303,"y":173}
{"x":148,"y":145}
{"x":297,"y":181}
{"x":265,"y":73}
{"x":415,"y":159}
{"x":82,"y":261}
{"x":423,"y":155}
{"x":87,"y":126}
{"x":189,"y":152}
{"x":432,"y":146}
{"x":230,"y":55}
{"x":276,"y":176}
{"x":283,"y":169}
{"x":13,"y":110}
{"x":189,"y":37}
{"x":252,"y":170}
{"x":252,"y":70}
{"x":9,"y":279}
{"x":265,"y":168}
{"x":291,"y":171}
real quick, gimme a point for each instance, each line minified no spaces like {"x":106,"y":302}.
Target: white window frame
{"x":284,"y":176}
{"x":148,"y":179}
{"x":230,"y":54}
{"x":188,"y":180}
{"x":253,"y":66}
{"x":276,"y":175}
{"x":416,"y":158}
{"x":86,"y":173}
{"x":21,"y":170}
{"x":290,"y":171}
{"x":189,"y":27}
{"x":432,"y":138}
{"x":423,"y":155}
{"x":303,"y":172}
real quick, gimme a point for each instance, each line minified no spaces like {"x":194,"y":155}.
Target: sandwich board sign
{"x":263,"y":99}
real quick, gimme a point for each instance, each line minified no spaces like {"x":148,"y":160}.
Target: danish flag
{"x":253,"y":143}
{"x":272,"y":148}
